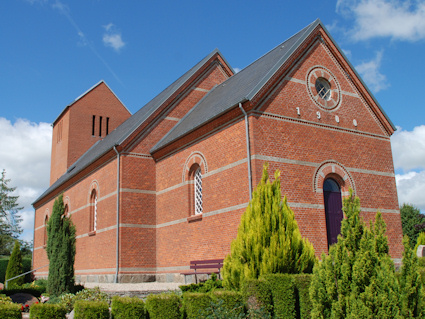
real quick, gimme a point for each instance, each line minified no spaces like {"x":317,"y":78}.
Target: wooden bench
{"x":200,"y":267}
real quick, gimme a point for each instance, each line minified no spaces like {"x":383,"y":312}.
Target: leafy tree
{"x":412,"y":221}
{"x":9,"y":216}
{"x":356,"y":279}
{"x":14,"y":267}
{"x":268,"y":239}
{"x":60,"y":250}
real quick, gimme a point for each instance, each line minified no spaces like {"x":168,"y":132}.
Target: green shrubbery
{"x":125,"y":307}
{"x":84,"y":309}
{"x":10,"y":311}
{"x":68,"y":300}
{"x":209,"y":285}
{"x":268,"y":239}
{"x":14,"y":267}
{"x":163,"y":306}
{"x":47,"y":311}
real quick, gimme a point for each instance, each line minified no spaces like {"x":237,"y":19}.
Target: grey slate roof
{"x":117,"y":136}
{"x":243,"y":86}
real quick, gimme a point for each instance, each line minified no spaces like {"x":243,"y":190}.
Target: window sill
{"x":194,"y":218}
{"x":92,"y":233}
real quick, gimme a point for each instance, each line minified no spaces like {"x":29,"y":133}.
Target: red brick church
{"x":150,"y":192}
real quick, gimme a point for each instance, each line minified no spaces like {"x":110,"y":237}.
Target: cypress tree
{"x":14,"y":267}
{"x":411,"y":289}
{"x":268,"y":239}
{"x":60,"y":250}
{"x":357,"y":278}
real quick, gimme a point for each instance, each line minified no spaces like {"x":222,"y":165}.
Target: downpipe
{"x":248,"y":151}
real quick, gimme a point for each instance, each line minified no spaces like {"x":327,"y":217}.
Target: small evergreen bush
{"x":232,"y":301}
{"x":195,"y":303}
{"x":14,"y":267}
{"x":125,"y":307}
{"x":95,"y":294}
{"x":163,"y":306}
{"x":209,"y":285}
{"x":268,"y":240}
{"x":47,"y":311}
{"x":84,"y":309}
{"x":39,"y":285}
{"x":257,"y":295}
{"x":10,"y":311}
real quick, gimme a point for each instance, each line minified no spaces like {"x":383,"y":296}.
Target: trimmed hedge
{"x":84,"y":309}
{"x":47,"y":311}
{"x":282,"y":287}
{"x":257,"y":295}
{"x":302,"y":295}
{"x":31,"y":291}
{"x":10,"y":311}
{"x":195,"y":304}
{"x":231,"y":301}
{"x":163,"y":306}
{"x":126,"y":307}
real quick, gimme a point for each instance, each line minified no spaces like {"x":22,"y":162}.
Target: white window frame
{"x":198,"y":191}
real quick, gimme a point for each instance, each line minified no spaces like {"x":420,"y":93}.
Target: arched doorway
{"x":333,"y":209}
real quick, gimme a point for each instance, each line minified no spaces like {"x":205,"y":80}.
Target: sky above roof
{"x":53,"y":51}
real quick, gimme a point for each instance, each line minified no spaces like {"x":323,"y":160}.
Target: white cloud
{"x":112,"y":38}
{"x":371,"y":74}
{"x":409,"y":148}
{"x":411,"y":189}
{"x":399,"y":20}
{"x":237,"y":70}
{"x":25,"y":155}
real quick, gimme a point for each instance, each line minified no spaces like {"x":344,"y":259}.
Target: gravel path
{"x":144,"y":286}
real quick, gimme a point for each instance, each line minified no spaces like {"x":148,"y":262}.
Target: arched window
{"x":333,"y":209}
{"x":93,"y":211}
{"x":46,"y":220}
{"x":198,"y":191}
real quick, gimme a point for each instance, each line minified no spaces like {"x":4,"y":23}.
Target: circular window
{"x":323,"y":88}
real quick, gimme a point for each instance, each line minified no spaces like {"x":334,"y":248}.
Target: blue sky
{"x":53,"y":51}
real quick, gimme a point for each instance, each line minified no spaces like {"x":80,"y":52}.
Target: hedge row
{"x":278,"y":296}
{"x":10,"y":311}
{"x":281,"y":295}
{"x":47,"y":311}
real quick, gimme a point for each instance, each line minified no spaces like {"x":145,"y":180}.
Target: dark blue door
{"x":333,"y":209}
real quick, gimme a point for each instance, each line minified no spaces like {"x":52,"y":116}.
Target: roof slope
{"x":244,"y":85}
{"x":122,"y":132}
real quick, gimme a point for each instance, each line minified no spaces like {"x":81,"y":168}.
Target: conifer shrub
{"x":357,"y":279}
{"x":411,"y":286}
{"x":60,"y":250}
{"x":195,"y":303}
{"x":126,"y":307}
{"x":84,"y":309}
{"x":47,"y":311}
{"x":10,"y":311}
{"x":257,"y":295}
{"x":14,"y":267}
{"x":268,"y":239}
{"x":163,"y":306}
